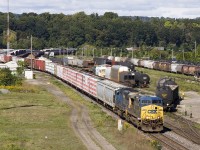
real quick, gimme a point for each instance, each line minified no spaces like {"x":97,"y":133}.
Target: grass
{"x":180,"y":79}
{"x":128,"y":139}
{"x":35,"y":120}
{"x":197,"y":125}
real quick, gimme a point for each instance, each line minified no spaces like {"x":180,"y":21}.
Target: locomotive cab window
{"x":131,"y":77}
{"x":156,"y":102}
{"x":147,"y":102}
{"x":125,"y":77}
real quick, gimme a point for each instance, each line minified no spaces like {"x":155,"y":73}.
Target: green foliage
{"x":20,"y":69}
{"x":6,"y":78}
{"x":108,"y":30}
{"x":156,"y":144}
{"x":11,"y":38}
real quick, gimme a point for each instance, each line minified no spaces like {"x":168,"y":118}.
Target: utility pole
{"x":8,"y":30}
{"x":172,"y":54}
{"x":183,"y":55}
{"x":132,"y":52}
{"x":195,"y":50}
{"x":93,"y":52}
{"x":31,"y":55}
{"x":101,"y":52}
{"x":121,"y":53}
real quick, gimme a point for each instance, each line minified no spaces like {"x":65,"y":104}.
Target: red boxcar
{"x":40,"y":65}
{"x":7,"y":58}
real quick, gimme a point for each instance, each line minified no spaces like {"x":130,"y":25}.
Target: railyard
{"x":114,"y":82}
{"x":177,"y":139}
{"x":174,"y":135}
{"x":188,"y":109}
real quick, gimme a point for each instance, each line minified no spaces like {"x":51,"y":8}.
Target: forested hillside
{"x":109,"y":30}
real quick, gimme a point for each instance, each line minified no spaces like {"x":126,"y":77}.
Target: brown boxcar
{"x":185,"y":69}
{"x":156,"y":65}
{"x":179,"y":68}
{"x":28,"y":62}
{"x":165,"y":66}
{"x":88,"y":63}
{"x":140,"y":63}
{"x":191,"y":69}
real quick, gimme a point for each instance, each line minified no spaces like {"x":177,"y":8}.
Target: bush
{"x":6,"y":78}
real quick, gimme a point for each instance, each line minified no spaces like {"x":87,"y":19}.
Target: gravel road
{"x":191,"y":104}
{"x":80,"y":120}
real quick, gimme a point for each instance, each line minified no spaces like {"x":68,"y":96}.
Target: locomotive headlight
{"x":167,"y":104}
{"x":158,"y":117}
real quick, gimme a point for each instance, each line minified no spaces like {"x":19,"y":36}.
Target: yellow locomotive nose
{"x":152,"y":117}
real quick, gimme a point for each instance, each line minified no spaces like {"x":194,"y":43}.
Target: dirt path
{"x":80,"y":120}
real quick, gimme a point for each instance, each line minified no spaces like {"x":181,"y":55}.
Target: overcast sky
{"x":151,"y":8}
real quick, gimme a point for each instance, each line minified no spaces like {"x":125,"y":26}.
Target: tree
{"x":6,"y":77}
{"x":11,"y":38}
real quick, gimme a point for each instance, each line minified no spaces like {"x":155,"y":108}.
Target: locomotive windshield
{"x":128,"y":77}
{"x":151,"y":101}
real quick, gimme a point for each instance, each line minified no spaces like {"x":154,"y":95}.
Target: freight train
{"x":122,"y":72}
{"x":146,"y":112}
{"x":166,"y":66}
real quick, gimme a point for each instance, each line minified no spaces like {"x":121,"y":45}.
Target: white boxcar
{"x":81,"y":80}
{"x":110,"y":57}
{"x":12,"y":65}
{"x":90,"y":84}
{"x":145,"y":62}
{"x":59,"y":71}
{"x":149,"y":64}
{"x":118,"y":59}
{"x":174,"y":67}
{"x":2,"y":58}
{"x":16,"y":59}
{"x":72,"y":62}
{"x":70,"y":75}
{"x":134,"y":61}
{"x":107,"y":90}
{"x":65,"y":60}
{"x":79,"y":62}
{"x":50,"y":67}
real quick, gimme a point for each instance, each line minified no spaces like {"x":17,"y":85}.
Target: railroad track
{"x":168,"y":142}
{"x":189,"y":80}
{"x":183,"y":128}
{"x":164,"y":140}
